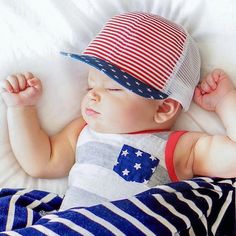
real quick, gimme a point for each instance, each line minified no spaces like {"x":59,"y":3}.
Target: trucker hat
{"x":147,"y":54}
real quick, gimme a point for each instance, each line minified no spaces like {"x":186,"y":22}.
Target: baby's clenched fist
{"x":21,"y":90}
{"x":212,"y":90}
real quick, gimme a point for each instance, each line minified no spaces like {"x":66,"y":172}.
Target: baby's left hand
{"x":212,"y":89}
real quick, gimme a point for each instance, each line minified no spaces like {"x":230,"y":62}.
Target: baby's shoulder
{"x":73,"y":129}
{"x":184,"y":152}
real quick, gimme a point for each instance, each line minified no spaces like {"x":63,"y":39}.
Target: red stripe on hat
{"x":145,"y":30}
{"x":131,"y":68}
{"x":157,"y":76}
{"x":173,"y":30}
{"x":141,"y":38}
{"x":145,"y":46}
{"x":154,"y":48}
{"x":140,"y":50}
{"x":147,"y":58}
{"x":121,"y":30}
{"x":148,"y":17}
{"x":153,"y":41}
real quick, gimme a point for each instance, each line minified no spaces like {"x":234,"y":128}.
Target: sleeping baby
{"x":143,"y":71}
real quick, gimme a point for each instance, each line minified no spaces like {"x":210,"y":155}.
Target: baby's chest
{"x":132,"y":160}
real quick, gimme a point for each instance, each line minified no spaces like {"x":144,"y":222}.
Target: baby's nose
{"x":94,"y":94}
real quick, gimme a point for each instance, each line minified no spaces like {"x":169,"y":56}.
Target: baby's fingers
{"x":13,"y":81}
{"x":28,"y":75}
{"x":35,"y":82}
{"x":211,"y":81}
{"x":5,"y":86}
{"x":204,"y":87}
{"x":21,"y":81}
{"x":197,"y":97}
{"x":218,"y":75}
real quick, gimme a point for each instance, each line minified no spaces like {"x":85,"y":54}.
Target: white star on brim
{"x":137,"y":166}
{"x":152,"y":158}
{"x":125,"y":153}
{"x":125,"y":172}
{"x":138,"y":153}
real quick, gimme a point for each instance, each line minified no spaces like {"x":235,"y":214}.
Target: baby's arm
{"x":202,"y":154}
{"x":38,"y":154}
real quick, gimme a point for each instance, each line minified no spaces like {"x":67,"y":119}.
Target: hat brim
{"x":120,"y":76}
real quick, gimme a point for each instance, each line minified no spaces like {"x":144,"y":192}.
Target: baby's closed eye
{"x":109,"y":89}
{"x":114,"y":89}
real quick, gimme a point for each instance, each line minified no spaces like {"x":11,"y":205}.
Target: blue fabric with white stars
{"x":120,"y":76}
{"x":135,"y":165}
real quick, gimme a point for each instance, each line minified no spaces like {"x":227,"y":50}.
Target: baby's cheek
{"x":130,"y":116}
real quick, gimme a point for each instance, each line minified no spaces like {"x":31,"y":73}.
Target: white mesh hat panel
{"x":186,"y":75}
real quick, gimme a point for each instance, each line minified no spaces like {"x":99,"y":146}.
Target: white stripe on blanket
{"x":100,"y":221}
{"x":11,"y":233}
{"x":10,"y":217}
{"x":144,"y":208}
{"x":72,"y":225}
{"x":172,"y":209}
{"x":129,"y":218}
{"x":208,"y":200}
{"x":192,"y":205}
{"x":221,"y":214}
{"x":29,"y":217}
{"x":45,"y":199}
{"x":45,"y":230}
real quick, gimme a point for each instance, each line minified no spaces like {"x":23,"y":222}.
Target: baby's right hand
{"x":21,"y":90}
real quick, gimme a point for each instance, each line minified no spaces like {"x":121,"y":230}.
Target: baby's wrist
{"x":19,"y":105}
{"x":21,"y":108}
{"x":226,"y":102}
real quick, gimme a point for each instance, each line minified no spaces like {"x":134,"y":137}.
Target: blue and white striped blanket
{"x":201,"y":206}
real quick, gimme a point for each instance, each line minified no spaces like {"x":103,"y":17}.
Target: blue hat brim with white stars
{"x":120,"y":76}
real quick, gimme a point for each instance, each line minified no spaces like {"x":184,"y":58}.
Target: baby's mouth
{"x":91,"y":112}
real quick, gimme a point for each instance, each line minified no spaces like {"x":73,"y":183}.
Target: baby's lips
{"x":91,"y":112}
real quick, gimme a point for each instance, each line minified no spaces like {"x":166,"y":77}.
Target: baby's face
{"x":110,"y":108}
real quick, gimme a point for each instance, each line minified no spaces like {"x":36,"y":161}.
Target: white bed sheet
{"x":33,"y":32}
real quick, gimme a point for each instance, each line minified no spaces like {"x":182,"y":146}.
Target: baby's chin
{"x":105,"y":130}
{"x":108,"y":129}
{"x":101,"y":126}
{"x":96,"y":126}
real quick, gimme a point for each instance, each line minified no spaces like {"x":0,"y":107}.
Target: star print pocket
{"x":135,"y":165}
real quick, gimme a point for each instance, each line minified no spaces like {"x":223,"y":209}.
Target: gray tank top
{"x":109,"y":167}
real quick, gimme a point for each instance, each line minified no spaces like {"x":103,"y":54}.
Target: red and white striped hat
{"x":147,"y":54}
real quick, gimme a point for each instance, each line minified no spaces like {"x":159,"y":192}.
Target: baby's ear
{"x":166,"y":110}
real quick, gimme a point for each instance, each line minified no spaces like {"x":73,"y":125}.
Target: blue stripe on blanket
{"x":150,"y":218}
{"x":104,"y":212}
{"x":201,"y":206}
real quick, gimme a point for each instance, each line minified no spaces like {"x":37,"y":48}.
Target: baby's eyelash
{"x":109,"y":89}
{"x":114,"y":89}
